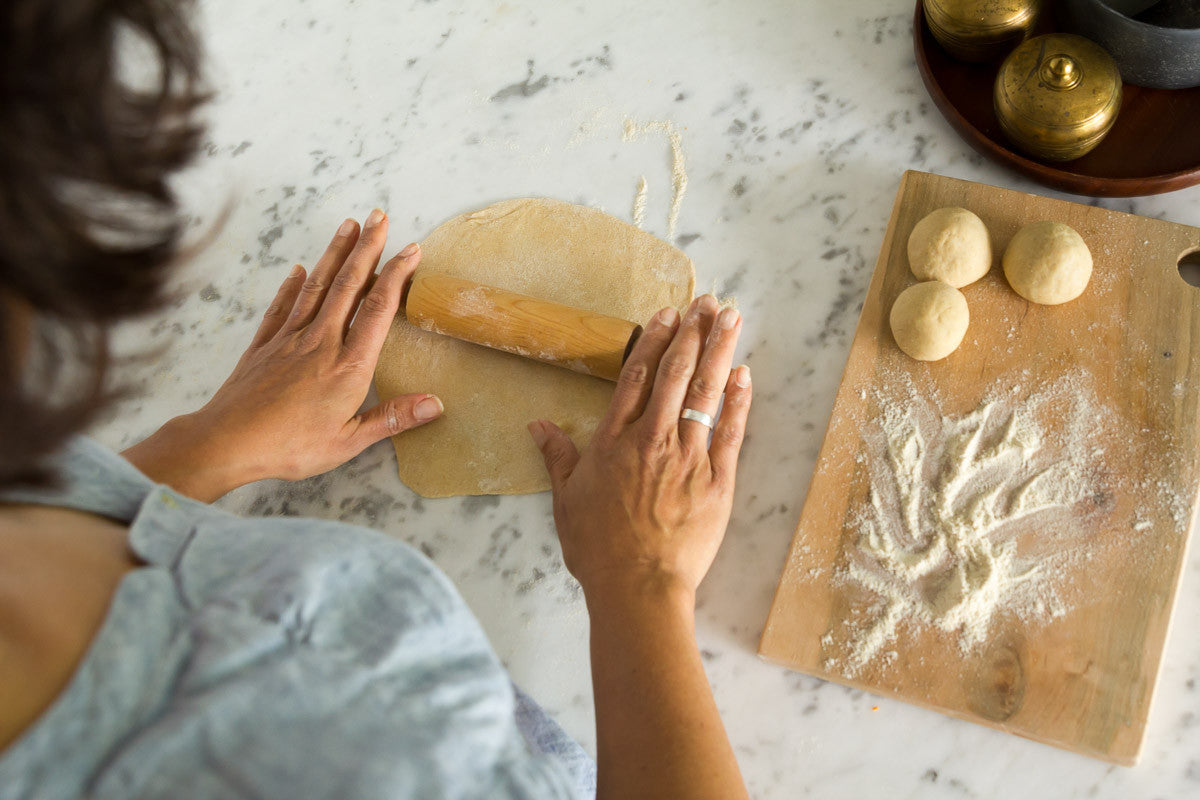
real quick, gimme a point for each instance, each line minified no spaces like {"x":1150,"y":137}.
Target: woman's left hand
{"x":291,"y":407}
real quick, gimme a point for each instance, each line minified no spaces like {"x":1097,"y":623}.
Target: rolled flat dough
{"x":545,"y":248}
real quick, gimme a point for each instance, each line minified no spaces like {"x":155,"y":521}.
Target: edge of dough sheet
{"x":559,"y":251}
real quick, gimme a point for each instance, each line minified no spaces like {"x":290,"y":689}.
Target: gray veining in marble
{"x":797,"y":118}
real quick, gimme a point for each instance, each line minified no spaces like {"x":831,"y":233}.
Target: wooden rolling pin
{"x":572,"y":338}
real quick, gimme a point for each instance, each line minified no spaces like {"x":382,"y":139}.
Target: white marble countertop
{"x":797,"y":120}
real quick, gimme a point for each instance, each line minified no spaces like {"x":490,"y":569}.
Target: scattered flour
{"x":588,"y":128}
{"x":951,"y":498}
{"x":723,"y":301}
{"x":639,"y":203}
{"x":679,"y":177}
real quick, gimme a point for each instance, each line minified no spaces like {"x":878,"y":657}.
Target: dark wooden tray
{"x":1154,"y":145}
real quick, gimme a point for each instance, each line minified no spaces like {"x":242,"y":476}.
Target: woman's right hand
{"x":641,"y":514}
{"x":647,"y":502}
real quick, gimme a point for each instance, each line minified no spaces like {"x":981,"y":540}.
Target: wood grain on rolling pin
{"x":573,"y":338}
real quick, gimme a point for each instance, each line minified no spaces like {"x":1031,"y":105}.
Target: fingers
{"x":676,"y":368}
{"x":393,"y":416}
{"x":633,"y":384}
{"x":731,"y":427}
{"x":313,"y":290}
{"x":704,"y":391}
{"x":350,"y":279}
{"x":365,"y":338}
{"x":558,"y":450}
{"x":280,"y":308}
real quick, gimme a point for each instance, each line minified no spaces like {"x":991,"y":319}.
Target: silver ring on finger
{"x":697,"y":416}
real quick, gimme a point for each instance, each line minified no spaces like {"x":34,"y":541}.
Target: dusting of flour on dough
{"x":951,"y":496}
{"x":679,"y":177}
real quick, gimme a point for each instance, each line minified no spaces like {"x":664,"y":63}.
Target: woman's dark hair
{"x":88,"y":222}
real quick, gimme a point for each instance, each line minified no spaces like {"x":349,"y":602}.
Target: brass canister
{"x":980,"y":30}
{"x":1057,"y":96}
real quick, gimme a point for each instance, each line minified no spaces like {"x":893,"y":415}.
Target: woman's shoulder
{"x":334,"y":564}
{"x":87,"y":477}
{"x":250,"y":641}
{"x":211,"y":545}
{"x":342,"y":579}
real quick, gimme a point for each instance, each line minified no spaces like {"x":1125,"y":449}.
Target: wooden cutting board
{"x":1081,"y":677}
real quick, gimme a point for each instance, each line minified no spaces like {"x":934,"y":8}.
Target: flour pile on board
{"x":951,"y":497}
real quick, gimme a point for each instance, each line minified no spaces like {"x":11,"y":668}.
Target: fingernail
{"x":707,"y":301}
{"x":538,"y":431}
{"x":296,"y":271}
{"x":728,"y":318}
{"x":429,"y":408}
{"x":742,"y":377}
{"x":667,"y":317}
{"x":375,"y":218}
{"x":346,"y":228}
{"x":410,"y":251}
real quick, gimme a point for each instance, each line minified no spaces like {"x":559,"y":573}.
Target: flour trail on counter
{"x":639,"y":203}
{"x":679,"y":177}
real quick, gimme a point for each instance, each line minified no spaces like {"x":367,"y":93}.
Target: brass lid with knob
{"x":1056,"y":96}
{"x":980,"y":30}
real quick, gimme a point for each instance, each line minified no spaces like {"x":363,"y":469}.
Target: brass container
{"x":980,"y":30}
{"x":1057,"y":96}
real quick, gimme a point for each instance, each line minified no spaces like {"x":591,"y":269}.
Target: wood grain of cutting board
{"x":1081,"y":678}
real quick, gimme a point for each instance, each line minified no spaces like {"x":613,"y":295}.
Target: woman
{"x":151,"y":645}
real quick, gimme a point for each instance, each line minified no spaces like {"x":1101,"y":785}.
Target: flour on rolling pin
{"x":573,"y":338}
{"x":472,"y":300}
{"x":974,"y":516}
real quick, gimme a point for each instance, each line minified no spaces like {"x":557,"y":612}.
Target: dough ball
{"x":929,"y":320}
{"x":1048,"y":263}
{"x":950,"y":245}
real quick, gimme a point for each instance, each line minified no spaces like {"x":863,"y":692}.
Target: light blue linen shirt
{"x":285,"y":658}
